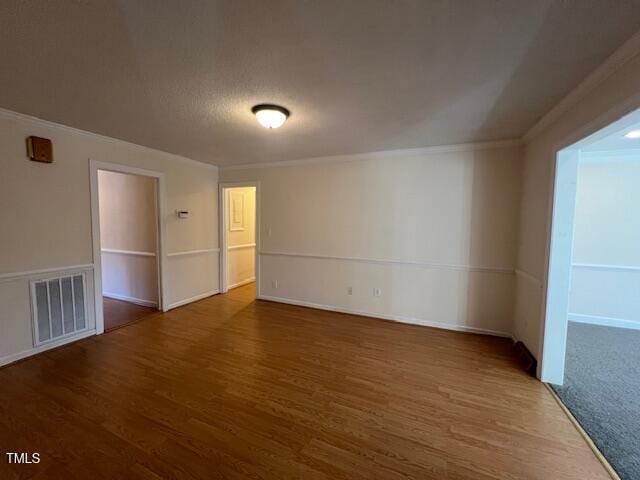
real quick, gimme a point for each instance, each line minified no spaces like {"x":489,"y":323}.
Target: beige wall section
{"x":46,"y":215}
{"x":241,"y":242}
{"x":128,"y":218}
{"x":128,"y":224}
{"x":128,"y":277}
{"x":607,"y":227}
{"x":423,"y":220}
{"x":615,"y":96}
{"x":607,"y":233}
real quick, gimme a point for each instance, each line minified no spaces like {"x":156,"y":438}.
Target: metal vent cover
{"x":59,"y":307}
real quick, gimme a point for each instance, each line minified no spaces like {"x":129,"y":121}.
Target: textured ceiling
{"x":358,"y":75}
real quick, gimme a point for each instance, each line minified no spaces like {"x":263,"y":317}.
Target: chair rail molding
{"x":193,"y":252}
{"x":7,"y":277}
{"x":128,"y":252}
{"x":441,"y":266}
{"x":241,"y":247}
{"x":529,"y":277}
{"x":597,"y":266}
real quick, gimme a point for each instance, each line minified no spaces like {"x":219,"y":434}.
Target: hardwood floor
{"x":230,"y":387}
{"x":118,"y":313}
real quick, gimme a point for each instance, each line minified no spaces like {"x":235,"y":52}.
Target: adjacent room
{"x":239,"y":237}
{"x":128,"y":223}
{"x":319,"y":240}
{"x":602,"y":364}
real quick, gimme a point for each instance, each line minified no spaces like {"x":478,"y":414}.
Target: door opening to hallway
{"x":239,"y":236}
{"x":128,"y":215}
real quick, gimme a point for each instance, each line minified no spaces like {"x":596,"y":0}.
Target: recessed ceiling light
{"x":270,"y":116}
{"x":633,"y":134}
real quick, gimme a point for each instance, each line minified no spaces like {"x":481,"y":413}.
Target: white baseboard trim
{"x":241,"y":283}
{"x":605,"y":321}
{"x":124,"y":298}
{"x":383,"y":316}
{"x":192,"y":299}
{"x":14,"y":357}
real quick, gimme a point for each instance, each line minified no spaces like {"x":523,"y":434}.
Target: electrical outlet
{"x":349,"y":290}
{"x":377,"y":292}
{"x":274,"y":283}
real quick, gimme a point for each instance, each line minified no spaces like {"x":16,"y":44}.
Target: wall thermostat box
{"x":39,"y":149}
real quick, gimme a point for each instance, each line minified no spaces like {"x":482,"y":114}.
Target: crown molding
{"x":12,"y":115}
{"x":405,"y":152}
{"x":626,"y":52}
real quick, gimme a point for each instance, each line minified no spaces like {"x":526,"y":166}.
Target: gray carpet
{"x":602,"y":390}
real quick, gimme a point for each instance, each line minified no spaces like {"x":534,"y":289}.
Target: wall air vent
{"x":59,"y":307}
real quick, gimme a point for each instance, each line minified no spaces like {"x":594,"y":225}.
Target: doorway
{"x":239,"y":237}
{"x":592,"y":323}
{"x":561,"y":248}
{"x":127,"y":228}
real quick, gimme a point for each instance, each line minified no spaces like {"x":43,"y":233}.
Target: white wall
{"x":46,"y":218}
{"x":128,"y":237}
{"x":606,"y":247}
{"x":241,"y":244}
{"x":614,"y":93}
{"x":434,"y":229}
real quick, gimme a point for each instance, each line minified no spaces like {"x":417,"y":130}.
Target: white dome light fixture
{"x":270,"y":116}
{"x":633,"y":134}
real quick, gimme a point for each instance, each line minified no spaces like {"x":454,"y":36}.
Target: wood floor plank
{"x":233,"y":388}
{"x":118,"y":313}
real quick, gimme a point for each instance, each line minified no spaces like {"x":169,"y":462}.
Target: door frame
{"x":559,"y":260}
{"x":222,"y":216}
{"x":562,"y":192}
{"x":94,"y":167}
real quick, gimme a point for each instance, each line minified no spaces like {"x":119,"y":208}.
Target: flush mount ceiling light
{"x":633,"y":134}
{"x":270,"y":116}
